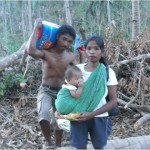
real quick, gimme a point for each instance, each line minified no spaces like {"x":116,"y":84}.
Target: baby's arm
{"x":76,"y":93}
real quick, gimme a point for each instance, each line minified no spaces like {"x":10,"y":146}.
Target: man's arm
{"x":31,"y":44}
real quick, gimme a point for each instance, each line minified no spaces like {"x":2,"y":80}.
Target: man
{"x":54,"y":63}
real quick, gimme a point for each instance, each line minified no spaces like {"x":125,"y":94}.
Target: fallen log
{"x":134,"y":106}
{"x":134,"y":143}
{"x":141,"y":121}
{"x":124,"y":62}
{"x":140,"y":142}
{"x":12,"y":59}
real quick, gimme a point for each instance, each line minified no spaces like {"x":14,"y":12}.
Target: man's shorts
{"x":98,"y":127}
{"x":46,"y":105}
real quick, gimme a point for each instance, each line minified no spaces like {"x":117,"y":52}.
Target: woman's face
{"x":93,"y":52}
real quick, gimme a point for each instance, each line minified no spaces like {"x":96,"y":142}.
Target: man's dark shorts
{"x":99,"y":128}
{"x":46,"y":105}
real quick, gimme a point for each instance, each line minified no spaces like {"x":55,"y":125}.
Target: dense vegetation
{"x":17,"y":18}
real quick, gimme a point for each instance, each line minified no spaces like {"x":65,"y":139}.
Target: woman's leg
{"x":78,"y":134}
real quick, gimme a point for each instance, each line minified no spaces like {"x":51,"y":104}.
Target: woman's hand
{"x":85,"y":116}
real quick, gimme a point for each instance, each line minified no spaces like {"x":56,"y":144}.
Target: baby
{"x":74,"y":81}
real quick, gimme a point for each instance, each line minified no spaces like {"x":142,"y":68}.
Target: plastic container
{"x":46,"y":36}
{"x":76,"y":43}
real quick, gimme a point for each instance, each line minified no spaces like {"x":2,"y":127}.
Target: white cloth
{"x":69,"y":86}
{"x":64,"y":124}
{"x":111,"y":81}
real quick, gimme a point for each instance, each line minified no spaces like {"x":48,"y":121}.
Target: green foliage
{"x":12,"y":44}
{"x":10,"y":80}
{"x":2,"y":89}
{"x":13,"y":79}
{"x":90,"y":15}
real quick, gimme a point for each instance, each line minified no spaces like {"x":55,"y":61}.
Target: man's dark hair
{"x":70,"y":72}
{"x":66,"y":29}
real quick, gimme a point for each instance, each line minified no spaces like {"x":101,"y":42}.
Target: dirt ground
{"x":19,"y":127}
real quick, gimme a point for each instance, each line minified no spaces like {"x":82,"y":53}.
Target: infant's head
{"x":73,"y":75}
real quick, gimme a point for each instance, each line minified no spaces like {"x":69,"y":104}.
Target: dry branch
{"x":124,"y":62}
{"x":134,"y":143}
{"x":141,"y":121}
{"x":141,"y":142}
{"x":135,"y":106}
{"x":147,"y":95}
{"x":12,"y":59}
{"x":138,"y":92}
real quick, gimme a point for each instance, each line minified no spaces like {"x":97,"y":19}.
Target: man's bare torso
{"x":54,"y":66}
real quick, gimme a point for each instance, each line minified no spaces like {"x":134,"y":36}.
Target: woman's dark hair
{"x":66,"y":29}
{"x":100,"y":42}
{"x":70,"y":72}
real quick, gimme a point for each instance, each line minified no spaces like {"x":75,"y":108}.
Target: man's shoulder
{"x":70,"y":55}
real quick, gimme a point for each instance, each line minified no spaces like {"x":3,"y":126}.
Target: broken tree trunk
{"x":137,"y":58}
{"x":140,"y":142}
{"x":12,"y":59}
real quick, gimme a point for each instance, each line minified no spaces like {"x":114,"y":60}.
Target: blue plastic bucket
{"x":47,"y":36}
{"x":76,"y":43}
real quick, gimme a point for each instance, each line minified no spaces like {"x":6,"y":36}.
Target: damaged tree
{"x":12,"y":59}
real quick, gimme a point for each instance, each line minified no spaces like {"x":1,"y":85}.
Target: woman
{"x":95,"y":122}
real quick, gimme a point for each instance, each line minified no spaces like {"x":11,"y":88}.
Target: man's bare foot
{"x":58,"y":137}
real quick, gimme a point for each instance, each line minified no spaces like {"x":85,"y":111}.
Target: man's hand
{"x":38,"y":23}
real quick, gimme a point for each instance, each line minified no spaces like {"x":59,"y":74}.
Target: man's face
{"x":64,"y":41}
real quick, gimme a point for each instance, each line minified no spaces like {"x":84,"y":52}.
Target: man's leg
{"x":44,"y":105}
{"x":58,"y":137}
{"x":46,"y":130}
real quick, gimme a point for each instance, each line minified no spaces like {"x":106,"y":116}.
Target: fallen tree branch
{"x":124,"y":96}
{"x":134,"y":106}
{"x":22,"y":61}
{"x":134,"y":143}
{"x":124,"y":62}
{"x":138,"y":92}
{"x":147,"y":95}
{"x":141,"y":142}
{"x":141,"y":121}
{"x":12,"y":59}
